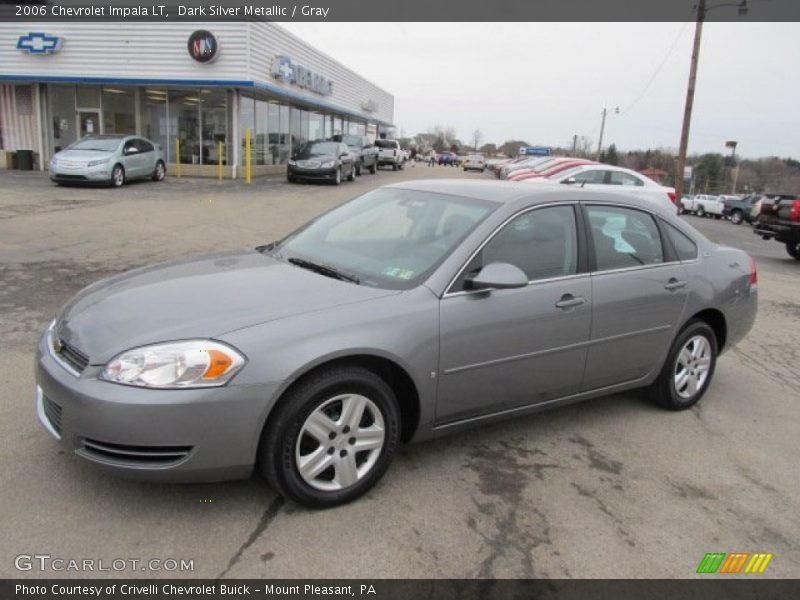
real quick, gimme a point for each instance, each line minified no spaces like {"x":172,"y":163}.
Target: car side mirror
{"x":498,"y":275}
{"x":570,"y":181}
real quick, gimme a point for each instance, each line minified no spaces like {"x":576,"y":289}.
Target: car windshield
{"x":99,"y":144}
{"x":389,"y":238}
{"x":352,"y":140}
{"x":318,"y":149}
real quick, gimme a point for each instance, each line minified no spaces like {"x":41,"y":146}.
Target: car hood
{"x":82,"y":155}
{"x":202,"y":297}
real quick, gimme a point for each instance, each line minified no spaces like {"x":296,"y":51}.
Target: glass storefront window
{"x":119,"y":110}
{"x":88,"y":96}
{"x":261,"y":141}
{"x":156,"y":124}
{"x":299,"y":127}
{"x":284,"y":137}
{"x":184,"y":109}
{"x":214,"y":120}
{"x":247,"y":120}
{"x":338,"y":125}
{"x":63,"y":129}
{"x":315,"y":128}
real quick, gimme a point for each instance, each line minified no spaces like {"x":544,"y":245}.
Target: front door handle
{"x":570,"y":301}
{"x":673,"y":284}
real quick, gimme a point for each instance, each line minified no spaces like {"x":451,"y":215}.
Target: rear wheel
{"x":159,"y":172}
{"x":331,"y":438}
{"x":737,"y":217}
{"x":793,"y":248}
{"x":700,"y":212}
{"x":688,"y":369}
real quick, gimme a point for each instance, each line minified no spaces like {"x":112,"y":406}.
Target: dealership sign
{"x":284,"y":69}
{"x":535,"y":150}
{"x":38,"y":42}
{"x":203,"y":46}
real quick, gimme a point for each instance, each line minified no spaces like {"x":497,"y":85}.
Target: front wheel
{"x":331,"y":438}
{"x":117,"y":176}
{"x":737,"y":217}
{"x":688,"y":369}
{"x":793,"y":248}
{"x":337,"y":177}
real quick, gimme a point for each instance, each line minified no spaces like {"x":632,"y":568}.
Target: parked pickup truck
{"x":363,"y":150}
{"x":703,"y":205}
{"x":738,"y":209}
{"x":779,"y":219}
{"x":389,"y":153}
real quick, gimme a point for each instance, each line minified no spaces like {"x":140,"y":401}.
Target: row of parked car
{"x":773,"y":216}
{"x":583,"y":173}
{"x":343,"y":157}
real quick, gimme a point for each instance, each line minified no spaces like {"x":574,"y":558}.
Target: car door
{"x":639,"y":290}
{"x":131,"y":159}
{"x":504,"y":349}
{"x":147,"y":153}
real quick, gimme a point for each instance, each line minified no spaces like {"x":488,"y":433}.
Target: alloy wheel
{"x":340,"y":442}
{"x":117,"y":177}
{"x":692,"y":367}
{"x":159,"y":171}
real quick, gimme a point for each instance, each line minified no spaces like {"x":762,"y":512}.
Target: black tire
{"x":737,"y":217}
{"x":279,"y":441}
{"x":394,"y":166}
{"x":117,"y":176}
{"x":352,"y":176}
{"x":793,"y":248}
{"x":160,"y":171}
{"x":373,"y":169}
{"x":663,"y":390}
{"x":700,"y":212}
{"x":338,"y":177}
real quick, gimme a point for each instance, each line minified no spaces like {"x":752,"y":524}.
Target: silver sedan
{"x":108,"y":159}
{"x":415,"y":310}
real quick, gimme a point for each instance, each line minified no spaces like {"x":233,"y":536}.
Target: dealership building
{"x":193,"y":88}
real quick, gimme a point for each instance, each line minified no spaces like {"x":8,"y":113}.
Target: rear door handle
{"x":570,"y":301}
{"x":673,"y":284}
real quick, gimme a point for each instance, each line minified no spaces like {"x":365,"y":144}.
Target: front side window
{"x":388,"y":238}
{"x":594,"y":176}
{"x":543,"y":243}
{"x":624,"y":237}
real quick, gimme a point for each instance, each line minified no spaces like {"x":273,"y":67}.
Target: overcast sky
{"x":544,"y":82}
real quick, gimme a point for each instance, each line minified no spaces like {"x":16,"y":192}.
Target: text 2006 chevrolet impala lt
{"x":411,"y":311}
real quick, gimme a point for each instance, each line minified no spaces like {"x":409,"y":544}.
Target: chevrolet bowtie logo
{"x":37,"y":42}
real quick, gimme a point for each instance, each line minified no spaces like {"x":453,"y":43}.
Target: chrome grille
{"x":134,"y":455}
{"x":71,"y":355}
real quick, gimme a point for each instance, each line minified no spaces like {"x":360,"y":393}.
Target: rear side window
{"x":624,"y":237}
{"x":622,"y":178}
{"x":683,"y":244}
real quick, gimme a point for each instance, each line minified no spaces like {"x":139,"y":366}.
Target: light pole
{"x":732,"y":145}
{"x":602,"y":129}
{"x":687,"y":111}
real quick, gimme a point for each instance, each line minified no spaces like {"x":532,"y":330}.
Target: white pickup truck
{"x":389,"y":153}
{"x":703,"y":205}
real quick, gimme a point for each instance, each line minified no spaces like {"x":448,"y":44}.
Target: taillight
{"x":672,"y":197}
{"x":753,"y":275}
{"x":794,"y":211}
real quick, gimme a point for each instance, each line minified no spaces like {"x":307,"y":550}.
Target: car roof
{"x":107,"y":136}
{"x":504,"y":192}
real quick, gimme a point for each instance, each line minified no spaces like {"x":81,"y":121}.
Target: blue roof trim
{"x":266,"y":87}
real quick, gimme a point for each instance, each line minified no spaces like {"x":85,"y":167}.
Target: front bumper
{"x":99,"y":174}
{"x":318,"y":174}
{"x":197,"y":435}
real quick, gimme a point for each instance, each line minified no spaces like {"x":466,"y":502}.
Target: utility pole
{"x":602,"y":129}
{"x":574,"y":144}
{"x":687,"y":112}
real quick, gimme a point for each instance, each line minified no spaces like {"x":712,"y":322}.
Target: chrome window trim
{"x":636,"y":268}
{"x":448,"y":293}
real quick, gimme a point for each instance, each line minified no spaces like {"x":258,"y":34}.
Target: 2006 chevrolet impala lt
{"x":416,"y":309}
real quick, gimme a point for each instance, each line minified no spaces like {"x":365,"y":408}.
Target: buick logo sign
{"x":203,"y":46}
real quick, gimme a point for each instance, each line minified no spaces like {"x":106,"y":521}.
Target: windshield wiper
{"x":326,"y":270}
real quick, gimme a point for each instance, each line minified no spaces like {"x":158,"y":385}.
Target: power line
{"x":657,"y":71}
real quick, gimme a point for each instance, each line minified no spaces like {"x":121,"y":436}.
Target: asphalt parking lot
{"x":610,"y":488}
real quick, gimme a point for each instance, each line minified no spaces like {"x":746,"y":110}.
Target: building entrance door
{"x":88,"y":122}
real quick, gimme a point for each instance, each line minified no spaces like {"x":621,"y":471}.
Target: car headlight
{"x":328,"y":164}
{"x":175,"y":365}
{"x":97,"y":163}
{"x":53,"y":162}
{"x":292,"y":162}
